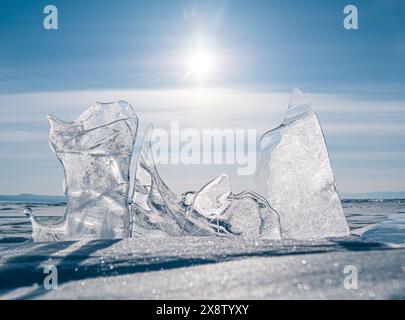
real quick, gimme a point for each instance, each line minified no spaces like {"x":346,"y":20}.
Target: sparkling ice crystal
{"x":297,"y":196}
{"x":95,"y":151}
{"x":296,"y":178}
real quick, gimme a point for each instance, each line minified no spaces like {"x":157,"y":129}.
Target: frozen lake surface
{"x":208,"y":268}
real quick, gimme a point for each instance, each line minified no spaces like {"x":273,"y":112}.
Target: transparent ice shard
{"x":246,"y":214}
{"x":95,"y":151}
{"x":214,"y":198}
{"x":298,"y":105}
{"x":251,"y":216}
{"x":295,"y":176}
{"x":43,"y":231}
{"x":156,"y":210}
{"x":212,"y":211}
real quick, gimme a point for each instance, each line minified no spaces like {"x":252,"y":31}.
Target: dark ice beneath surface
{"x":205,"y":268}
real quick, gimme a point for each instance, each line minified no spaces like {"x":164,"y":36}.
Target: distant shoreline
{"x":375,"y":196}
{"x":32,"y":198}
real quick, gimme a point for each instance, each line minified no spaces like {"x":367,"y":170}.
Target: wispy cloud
{"x":354,"y":128}
{"x":362,"y":135}
{"x":22,"y":136}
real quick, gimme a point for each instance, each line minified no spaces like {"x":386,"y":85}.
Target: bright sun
{"x":201,"y":64}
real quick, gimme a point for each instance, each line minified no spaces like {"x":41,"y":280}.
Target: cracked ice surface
{"x":296,"y":178}
{"x":95,"y":151}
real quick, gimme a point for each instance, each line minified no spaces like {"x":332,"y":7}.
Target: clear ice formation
{"x":212,"y":211}
{"x":95,"y":151}
{"x":300,"y":196}
{"x":155,"y":210}
{"x":214,"y":198}
{"x":295,"y":176}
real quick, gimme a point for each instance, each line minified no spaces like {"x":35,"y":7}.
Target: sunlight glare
{"x":201,"y":63}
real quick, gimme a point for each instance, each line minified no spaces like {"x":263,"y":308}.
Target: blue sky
{"x":137,"y":51}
